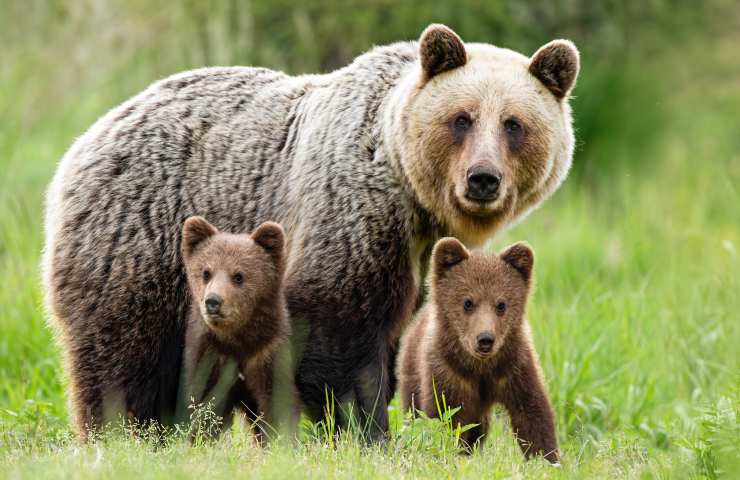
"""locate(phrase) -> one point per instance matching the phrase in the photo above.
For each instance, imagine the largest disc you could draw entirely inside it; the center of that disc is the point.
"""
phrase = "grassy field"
(636, 313)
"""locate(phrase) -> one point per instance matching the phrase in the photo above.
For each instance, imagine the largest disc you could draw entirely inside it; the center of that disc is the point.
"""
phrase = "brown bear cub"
(472, 343)
(236, 323)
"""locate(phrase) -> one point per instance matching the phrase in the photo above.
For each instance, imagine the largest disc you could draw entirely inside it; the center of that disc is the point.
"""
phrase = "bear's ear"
(556, 65)
(440, 49)
(521, 257)
(447, 253)
(194, 231)
(271, 237)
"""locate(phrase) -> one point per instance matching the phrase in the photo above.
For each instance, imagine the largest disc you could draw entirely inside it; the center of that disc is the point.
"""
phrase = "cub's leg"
(208, 380)
(532, 418)
(257, 386)
(271, 400)
(476, 435)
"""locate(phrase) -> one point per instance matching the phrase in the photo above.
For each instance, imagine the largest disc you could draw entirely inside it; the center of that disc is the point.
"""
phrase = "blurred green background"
(637, 309)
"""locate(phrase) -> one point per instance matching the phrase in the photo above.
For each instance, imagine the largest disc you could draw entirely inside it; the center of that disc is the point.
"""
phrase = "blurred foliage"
(90, 43)
(635, 312)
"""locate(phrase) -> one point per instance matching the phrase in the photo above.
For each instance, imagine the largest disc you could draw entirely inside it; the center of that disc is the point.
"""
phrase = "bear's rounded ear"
(521, 257)
(556, 65)
(194, 231)
(270, 236)
(440, 49)
(447, 253)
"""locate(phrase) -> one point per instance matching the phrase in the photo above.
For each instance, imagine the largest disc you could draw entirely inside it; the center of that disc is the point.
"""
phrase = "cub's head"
(230, 275)
(480, 298)
(486, 132)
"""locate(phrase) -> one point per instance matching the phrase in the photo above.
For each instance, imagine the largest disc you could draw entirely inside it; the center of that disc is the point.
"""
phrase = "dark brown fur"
(442, 347)
(556, 66)
(441, 50)
(229, 357)
(359, 166)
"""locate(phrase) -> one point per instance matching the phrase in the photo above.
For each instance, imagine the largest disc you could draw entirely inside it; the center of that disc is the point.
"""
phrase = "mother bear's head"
(484, 133)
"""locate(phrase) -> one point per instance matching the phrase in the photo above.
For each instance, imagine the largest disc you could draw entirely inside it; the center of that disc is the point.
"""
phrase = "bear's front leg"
(532, 418)
(372, 395)
(476, 435)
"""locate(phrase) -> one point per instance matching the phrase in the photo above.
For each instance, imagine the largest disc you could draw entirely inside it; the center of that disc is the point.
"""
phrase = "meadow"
(636, 312)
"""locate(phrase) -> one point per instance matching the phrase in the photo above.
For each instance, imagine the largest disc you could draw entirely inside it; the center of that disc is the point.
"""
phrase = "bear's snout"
(483, 183)
(213, 304)
(485, 342)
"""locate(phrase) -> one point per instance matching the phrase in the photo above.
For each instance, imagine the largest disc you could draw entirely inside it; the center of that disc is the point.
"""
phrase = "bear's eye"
(206, 276)
(500, 308)
(238, 278)
(462, 122)
(512, 127)
(468, 305)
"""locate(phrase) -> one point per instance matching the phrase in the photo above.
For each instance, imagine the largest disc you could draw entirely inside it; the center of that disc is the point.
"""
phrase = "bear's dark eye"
(206, 276)
(468, 305)
(462, 123)
(512, 127)
(500, 308)
(514, 132)
(238, 278)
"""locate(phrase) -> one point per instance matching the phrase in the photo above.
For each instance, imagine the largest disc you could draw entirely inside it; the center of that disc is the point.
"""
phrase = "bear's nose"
(485, 342)
(213, 303)
(483, 183)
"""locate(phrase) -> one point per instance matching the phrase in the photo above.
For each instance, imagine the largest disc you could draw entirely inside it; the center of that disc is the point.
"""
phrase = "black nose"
(213, 303)
(485, 342)
(483, 183)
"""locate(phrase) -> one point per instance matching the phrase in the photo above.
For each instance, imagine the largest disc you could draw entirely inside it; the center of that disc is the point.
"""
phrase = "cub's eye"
(468, 305)
(462, 122)
(500, 308)
(206, 276)
(513, 127)
(238, 278)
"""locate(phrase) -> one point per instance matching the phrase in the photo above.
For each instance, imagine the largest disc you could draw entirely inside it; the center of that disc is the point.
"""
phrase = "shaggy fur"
(360, 167)
(475, 296)
(229, 355)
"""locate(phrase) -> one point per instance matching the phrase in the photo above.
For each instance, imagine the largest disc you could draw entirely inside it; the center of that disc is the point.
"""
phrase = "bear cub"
(472, 343)
(236, 323)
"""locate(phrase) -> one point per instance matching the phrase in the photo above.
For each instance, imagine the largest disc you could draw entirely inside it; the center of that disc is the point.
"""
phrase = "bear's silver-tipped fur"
(361, 168)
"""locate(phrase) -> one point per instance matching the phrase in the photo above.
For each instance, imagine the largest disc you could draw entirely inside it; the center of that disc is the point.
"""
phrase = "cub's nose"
(485, 342)
(213, 303)
(483, 183)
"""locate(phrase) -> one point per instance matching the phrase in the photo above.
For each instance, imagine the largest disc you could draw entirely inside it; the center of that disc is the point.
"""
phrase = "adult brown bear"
(365, 168)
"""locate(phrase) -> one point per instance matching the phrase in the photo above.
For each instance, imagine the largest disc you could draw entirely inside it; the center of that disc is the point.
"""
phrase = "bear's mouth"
(478, 208)
(214, 319)
(482, 355)
(482, 209)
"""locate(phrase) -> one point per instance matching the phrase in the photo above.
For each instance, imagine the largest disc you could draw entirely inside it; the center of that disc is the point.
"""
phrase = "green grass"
(636, 312)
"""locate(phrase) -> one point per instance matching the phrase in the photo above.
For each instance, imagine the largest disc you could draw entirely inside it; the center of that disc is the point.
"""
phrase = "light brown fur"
(490, 86)
(361, 166)
(230, 355)
(476, 298)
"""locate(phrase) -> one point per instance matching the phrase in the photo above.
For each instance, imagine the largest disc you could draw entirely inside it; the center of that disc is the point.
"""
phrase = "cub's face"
(480, 298)
(487, 130)
(228, 274)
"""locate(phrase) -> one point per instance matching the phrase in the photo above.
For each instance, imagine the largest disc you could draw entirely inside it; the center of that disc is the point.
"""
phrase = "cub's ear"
(521, 257)
(271, 237)
(556, 65)
(447, 253)
(440, 49)
(194, 231)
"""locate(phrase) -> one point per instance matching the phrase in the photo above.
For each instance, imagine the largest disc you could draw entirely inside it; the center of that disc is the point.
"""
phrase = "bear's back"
(220, 142)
